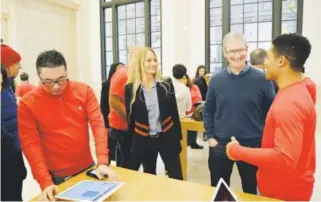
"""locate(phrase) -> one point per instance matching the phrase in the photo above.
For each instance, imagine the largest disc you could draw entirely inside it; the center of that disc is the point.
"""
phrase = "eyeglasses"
(233, 52)
(50, 83)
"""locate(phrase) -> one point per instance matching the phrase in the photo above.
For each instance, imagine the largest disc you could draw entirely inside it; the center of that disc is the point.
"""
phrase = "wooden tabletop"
(145, 187)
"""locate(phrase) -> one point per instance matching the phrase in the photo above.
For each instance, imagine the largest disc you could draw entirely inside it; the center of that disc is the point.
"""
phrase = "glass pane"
(265, 31)
(123, 56)
(140, 9)
(155, 23)
(156, 39)
(158, 53)
(130, 26)
(140, 39)
(108, 29)
(233, 2)
(215, 3)
(131, 11)
(216, 16)
(122, 42)
(215, 68)
(107, 0)
(237, 28)
(250, 1)
(264, 45)
(107, 71)
(155, 7)
(250, 31)
(140, 25)
(109, 44)
(265, 11)
(109, 58)
(236, 14)
(250, 13)
(289, 10)
(216, 53)
(216, 35)
(251, 47)
(131, 41)
(121, 12)
(107, 15)
(288, 26)
(122, 27)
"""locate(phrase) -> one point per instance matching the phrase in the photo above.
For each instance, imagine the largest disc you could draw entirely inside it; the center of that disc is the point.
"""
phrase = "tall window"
(258, 20)
(126, 24)
(216, 23)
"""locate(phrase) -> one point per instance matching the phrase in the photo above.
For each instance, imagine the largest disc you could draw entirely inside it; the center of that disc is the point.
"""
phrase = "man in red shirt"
(286, 161)
(53, 127)
(25, 86)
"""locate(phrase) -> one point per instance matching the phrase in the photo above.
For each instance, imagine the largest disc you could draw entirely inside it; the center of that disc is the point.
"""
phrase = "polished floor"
(197, 172)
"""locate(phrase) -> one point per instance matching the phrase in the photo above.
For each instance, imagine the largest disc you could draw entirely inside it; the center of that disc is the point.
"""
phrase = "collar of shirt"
(243, 71)
(153, 86)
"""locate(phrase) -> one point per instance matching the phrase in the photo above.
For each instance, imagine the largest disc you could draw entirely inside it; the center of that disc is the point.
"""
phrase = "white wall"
(38, 25)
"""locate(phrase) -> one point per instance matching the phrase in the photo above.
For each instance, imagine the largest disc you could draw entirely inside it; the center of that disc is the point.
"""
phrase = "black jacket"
(202, 85)
(138, 115)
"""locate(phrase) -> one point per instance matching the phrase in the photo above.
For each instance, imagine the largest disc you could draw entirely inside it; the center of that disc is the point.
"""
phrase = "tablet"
(223, 192)
(90, 190)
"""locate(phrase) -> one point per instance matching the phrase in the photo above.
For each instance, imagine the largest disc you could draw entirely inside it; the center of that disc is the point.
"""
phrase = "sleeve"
(288, 137)
(97, 125)
(198, 95)
(117, 84)
(188, 98)
(174, 109)
(18, 91)
(104, 103)
(268, 98)
(31, 146)
(209, 111)
(128, 98)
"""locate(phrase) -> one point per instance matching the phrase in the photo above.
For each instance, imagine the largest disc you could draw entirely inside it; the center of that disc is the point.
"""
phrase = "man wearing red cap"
(13, 170)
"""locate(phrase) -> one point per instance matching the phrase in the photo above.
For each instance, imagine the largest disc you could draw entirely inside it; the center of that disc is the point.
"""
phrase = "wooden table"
(188, 124)
(145, 187)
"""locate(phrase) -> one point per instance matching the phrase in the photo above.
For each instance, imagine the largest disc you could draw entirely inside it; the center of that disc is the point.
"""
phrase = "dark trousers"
(119, 145)
(221, 167)
(145, 150)
(191, 137)
(13, 172)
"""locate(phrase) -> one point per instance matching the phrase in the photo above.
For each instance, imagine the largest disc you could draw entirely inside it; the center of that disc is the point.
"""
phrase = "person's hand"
(212, 142)
(48, 194)
(103, 170)
(228, 147)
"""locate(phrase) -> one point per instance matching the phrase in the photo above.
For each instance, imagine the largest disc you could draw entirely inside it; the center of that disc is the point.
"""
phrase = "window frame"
(226, 23)
(113, 4)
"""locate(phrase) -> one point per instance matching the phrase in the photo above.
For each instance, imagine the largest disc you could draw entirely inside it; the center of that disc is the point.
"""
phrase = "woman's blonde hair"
(136, 67)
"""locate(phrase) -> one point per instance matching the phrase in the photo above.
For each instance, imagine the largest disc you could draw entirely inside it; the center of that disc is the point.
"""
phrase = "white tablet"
(90, 190)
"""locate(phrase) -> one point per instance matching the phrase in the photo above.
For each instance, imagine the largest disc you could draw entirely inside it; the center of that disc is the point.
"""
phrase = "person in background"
(24, 87)
(237, 102)
(13, 170)
(288, 154)
(182, 92)
(257, 58)
(152, 116)
(196, 98)
(105, 109)
(200, 81)
(54, 121)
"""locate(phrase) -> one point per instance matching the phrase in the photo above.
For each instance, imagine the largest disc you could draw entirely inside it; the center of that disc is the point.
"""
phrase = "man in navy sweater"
(237, 102)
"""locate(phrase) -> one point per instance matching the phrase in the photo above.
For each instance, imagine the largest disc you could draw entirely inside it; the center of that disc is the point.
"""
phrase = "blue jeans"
(59, 180)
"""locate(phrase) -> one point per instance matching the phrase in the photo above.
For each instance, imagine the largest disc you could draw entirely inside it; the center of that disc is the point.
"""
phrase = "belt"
(155, 136)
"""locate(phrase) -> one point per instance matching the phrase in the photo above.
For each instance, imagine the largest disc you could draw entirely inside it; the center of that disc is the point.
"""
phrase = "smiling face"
(150, 63)
(236, 53)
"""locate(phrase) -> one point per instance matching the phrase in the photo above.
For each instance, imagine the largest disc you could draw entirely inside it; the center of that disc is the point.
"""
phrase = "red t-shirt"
(286, 161)
(23, 89)
(117, 87)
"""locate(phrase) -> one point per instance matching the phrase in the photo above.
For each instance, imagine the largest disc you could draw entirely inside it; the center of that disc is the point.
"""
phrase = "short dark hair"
(258, 56)
(294, 47)
(24, 76)
(50, 59)
(179, 71)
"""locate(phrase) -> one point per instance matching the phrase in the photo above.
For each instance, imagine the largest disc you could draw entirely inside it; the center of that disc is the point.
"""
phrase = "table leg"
(183, 154)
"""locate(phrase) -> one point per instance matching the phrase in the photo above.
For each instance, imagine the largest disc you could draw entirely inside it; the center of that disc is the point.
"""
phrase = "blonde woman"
(153, 116)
